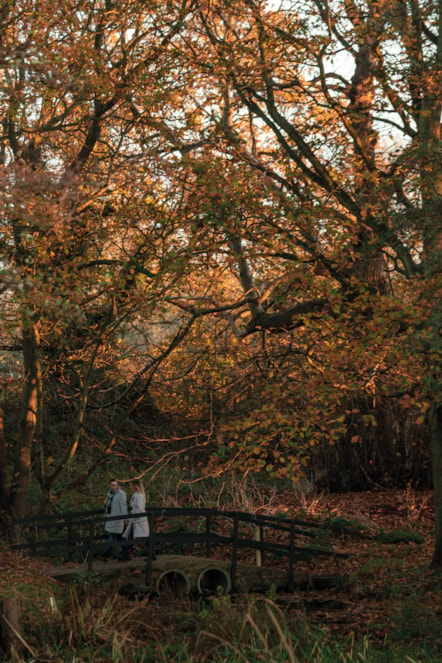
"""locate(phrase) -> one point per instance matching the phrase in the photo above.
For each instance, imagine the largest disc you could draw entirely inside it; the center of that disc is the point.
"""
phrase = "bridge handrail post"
(150, 550)
(234, 548)
(69, 538)
(259, 537)
(208, 542)
(291, 557)
(90, 557)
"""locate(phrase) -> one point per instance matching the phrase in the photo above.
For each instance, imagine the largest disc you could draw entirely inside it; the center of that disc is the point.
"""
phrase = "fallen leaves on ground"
(387, 580)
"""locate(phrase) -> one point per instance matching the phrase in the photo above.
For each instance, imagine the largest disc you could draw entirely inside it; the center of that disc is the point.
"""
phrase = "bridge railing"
(66, 535)
(82, 533)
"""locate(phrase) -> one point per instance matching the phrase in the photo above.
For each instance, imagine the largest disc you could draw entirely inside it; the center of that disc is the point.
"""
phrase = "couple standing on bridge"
(128, 530)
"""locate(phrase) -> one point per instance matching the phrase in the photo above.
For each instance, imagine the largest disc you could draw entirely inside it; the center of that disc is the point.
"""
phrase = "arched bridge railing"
(188, 530)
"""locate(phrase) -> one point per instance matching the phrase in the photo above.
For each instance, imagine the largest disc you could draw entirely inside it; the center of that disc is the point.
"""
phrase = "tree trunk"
(4, 469)
(28, 422)
(45, 508)
(435, 426)
(11, 626)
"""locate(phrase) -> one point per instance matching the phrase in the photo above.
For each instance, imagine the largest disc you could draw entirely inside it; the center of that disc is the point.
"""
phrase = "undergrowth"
(89, 621)
(94, 624)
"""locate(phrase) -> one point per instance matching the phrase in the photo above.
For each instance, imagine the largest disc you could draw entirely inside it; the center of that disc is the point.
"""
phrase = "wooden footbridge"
(187, 548)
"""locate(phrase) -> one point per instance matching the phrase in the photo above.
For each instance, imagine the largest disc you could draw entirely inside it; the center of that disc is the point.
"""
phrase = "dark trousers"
(114, 537)
(128, 544)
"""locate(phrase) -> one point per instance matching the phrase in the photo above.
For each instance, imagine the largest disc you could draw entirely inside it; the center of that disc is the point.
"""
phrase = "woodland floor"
(388, 587)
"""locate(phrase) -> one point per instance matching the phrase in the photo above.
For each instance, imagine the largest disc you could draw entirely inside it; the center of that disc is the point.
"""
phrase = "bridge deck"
(252, 578)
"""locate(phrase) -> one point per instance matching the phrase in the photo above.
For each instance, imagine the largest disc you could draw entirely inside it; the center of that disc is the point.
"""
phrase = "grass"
(94, 624)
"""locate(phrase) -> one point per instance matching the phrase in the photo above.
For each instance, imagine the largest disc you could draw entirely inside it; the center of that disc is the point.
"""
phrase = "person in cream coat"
(138, 527)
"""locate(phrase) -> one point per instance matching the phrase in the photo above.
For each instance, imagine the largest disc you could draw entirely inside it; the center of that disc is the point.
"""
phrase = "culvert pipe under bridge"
(175, 582)
(212, 580)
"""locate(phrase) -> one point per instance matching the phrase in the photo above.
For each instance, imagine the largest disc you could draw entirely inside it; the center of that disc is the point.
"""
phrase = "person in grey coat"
(115, 505)
(138, 527)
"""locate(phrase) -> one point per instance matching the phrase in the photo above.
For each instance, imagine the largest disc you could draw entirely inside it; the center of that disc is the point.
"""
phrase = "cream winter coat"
(139, 526)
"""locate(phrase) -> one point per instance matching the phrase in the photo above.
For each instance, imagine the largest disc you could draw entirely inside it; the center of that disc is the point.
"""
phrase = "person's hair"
(136, 483)
(113, 481)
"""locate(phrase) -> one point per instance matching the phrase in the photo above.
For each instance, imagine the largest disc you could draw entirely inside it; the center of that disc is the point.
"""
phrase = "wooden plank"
(248, 577)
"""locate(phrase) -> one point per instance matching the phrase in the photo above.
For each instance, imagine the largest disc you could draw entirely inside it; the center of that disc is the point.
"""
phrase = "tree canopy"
(228, 212)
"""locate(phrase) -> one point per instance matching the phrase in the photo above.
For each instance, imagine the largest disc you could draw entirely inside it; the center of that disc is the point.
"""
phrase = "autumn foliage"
(220, 230)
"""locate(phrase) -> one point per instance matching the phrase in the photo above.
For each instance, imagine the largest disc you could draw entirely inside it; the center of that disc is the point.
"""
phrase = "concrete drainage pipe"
(175, 582)
(212, 578)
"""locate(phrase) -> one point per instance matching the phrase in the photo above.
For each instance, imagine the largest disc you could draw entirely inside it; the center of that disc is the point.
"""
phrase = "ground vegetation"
(386, 609)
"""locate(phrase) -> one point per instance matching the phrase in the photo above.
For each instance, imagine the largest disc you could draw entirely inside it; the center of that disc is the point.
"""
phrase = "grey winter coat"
(115, 505)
